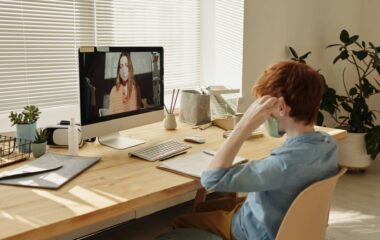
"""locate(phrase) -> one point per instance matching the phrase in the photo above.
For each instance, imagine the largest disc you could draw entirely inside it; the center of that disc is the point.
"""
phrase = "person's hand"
(257, 113)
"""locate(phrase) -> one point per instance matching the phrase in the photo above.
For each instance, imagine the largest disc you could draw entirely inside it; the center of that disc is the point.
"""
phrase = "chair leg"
(199, 197)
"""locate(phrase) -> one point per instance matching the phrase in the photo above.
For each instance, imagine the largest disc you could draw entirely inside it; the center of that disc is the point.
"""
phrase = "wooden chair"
(307, 217)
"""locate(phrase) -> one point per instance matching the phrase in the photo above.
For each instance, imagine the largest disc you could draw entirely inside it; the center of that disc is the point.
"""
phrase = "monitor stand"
(115, 140)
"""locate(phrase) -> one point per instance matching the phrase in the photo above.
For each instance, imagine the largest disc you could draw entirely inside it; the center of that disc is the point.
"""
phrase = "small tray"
(13, 150)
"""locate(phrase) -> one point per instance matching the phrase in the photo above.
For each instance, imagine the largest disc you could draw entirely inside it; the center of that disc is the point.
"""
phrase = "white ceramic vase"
(352, 152)
(170, 122)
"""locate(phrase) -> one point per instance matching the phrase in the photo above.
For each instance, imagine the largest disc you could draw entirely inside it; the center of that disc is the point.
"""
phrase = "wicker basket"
(13, 150)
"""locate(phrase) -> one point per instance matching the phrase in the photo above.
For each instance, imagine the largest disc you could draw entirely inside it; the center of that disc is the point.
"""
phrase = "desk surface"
(115, 186)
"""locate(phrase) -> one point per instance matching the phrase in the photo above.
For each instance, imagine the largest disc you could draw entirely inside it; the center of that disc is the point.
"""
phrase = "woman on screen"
(125, 95)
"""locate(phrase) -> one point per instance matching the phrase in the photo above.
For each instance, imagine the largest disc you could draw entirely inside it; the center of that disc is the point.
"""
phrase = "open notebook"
(192, 164)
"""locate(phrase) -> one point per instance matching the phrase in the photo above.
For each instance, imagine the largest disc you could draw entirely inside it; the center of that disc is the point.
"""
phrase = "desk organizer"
(13, 150)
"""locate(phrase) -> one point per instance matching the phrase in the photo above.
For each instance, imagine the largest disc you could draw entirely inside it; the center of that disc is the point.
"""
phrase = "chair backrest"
(307, 217)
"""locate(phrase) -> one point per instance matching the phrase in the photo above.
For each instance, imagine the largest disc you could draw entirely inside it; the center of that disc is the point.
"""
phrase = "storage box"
(194, 107)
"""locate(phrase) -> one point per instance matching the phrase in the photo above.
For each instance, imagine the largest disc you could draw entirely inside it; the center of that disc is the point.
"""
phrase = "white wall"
(370, 13)
(307, 25)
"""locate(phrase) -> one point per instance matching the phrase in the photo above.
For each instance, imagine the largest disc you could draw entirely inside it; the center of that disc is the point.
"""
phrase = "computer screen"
(120, 88)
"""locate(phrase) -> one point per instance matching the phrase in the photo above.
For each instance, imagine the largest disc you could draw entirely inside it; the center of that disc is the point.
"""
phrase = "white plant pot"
(352, 152)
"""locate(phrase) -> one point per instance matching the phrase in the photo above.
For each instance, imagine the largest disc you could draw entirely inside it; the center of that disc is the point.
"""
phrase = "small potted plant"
(25, 123)
(39, 143)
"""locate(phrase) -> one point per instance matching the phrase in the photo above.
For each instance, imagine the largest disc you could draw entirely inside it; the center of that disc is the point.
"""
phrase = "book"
(193, 164)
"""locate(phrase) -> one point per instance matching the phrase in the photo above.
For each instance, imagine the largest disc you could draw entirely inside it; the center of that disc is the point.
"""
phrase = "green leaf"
(361, 54)
(341, 98)
(320, 119)
(344, 36)
(353, 91)
(367, 87)
(346, 107)
(371, 44)
(376, 62)
(305, 55)
(363, 44)
(352, 39)
(372, 141)
(344, 54)
(336, 59)
(293, 52)
(334, 45)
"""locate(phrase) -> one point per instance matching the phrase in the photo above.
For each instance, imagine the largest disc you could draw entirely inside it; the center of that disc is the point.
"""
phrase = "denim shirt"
(273, 183)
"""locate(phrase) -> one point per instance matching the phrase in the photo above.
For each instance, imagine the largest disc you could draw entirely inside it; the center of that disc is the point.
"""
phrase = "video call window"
(119, 82)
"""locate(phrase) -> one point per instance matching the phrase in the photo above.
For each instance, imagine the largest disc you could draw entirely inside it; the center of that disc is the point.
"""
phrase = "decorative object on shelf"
(25, 124)
(10, 150)
(39, 143)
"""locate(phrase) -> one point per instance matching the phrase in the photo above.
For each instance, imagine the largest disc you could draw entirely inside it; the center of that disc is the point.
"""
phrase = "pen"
(211, 153)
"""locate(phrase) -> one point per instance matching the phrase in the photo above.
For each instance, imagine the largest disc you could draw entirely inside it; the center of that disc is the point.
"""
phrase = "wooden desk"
(116, 186)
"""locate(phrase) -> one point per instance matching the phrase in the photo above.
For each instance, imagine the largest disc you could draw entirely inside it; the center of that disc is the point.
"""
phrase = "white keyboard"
(161, 151)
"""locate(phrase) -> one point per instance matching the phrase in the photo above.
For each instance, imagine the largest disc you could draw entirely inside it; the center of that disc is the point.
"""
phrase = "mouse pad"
(51, 170)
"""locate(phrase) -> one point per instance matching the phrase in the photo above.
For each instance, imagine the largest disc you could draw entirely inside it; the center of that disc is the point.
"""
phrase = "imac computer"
(120, 88)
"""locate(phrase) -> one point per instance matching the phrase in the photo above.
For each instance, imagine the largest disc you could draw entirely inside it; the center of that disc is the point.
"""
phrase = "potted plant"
(367, 139)
(363, 141)
(25, 123)
(39, 143)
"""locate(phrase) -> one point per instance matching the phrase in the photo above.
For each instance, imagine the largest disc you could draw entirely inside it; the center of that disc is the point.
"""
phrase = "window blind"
(39, 41)
(229, 23)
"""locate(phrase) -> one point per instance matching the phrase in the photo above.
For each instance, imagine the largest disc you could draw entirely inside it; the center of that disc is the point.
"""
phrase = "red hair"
(299, 85)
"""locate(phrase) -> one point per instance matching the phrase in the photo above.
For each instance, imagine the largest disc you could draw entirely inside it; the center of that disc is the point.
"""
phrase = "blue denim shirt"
(273, 183)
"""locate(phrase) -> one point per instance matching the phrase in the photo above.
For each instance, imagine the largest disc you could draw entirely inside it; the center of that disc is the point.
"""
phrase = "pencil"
(175, 101)
(166, 109)
(171, 104)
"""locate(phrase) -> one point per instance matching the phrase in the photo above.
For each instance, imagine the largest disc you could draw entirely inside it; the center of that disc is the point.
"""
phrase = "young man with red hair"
(289, 94)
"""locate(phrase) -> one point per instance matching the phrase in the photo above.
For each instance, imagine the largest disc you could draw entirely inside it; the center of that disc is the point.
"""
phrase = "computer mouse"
(195, 139)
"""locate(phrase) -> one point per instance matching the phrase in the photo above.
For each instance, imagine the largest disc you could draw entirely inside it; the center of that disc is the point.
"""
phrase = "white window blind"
(229, 23)
(39, 41)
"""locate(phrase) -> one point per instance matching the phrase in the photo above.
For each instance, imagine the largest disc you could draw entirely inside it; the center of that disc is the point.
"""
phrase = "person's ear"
(283, 108)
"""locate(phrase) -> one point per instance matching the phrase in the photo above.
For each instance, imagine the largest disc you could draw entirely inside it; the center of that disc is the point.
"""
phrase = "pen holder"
(170, 122)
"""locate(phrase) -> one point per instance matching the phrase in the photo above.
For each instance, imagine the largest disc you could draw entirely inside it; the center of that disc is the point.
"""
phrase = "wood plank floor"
(355, 213)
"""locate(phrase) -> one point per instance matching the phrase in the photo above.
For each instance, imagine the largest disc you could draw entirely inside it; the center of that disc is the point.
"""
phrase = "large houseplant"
(355, 114)
(351, 111)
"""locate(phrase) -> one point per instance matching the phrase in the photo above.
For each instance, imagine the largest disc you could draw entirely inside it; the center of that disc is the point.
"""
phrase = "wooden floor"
(355, 213)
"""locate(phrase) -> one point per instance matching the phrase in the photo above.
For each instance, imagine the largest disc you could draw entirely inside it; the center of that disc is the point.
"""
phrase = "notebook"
(51, 170)
(193, 164)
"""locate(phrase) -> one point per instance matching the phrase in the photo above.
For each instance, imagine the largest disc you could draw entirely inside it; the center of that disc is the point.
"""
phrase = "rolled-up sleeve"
(255, 176)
